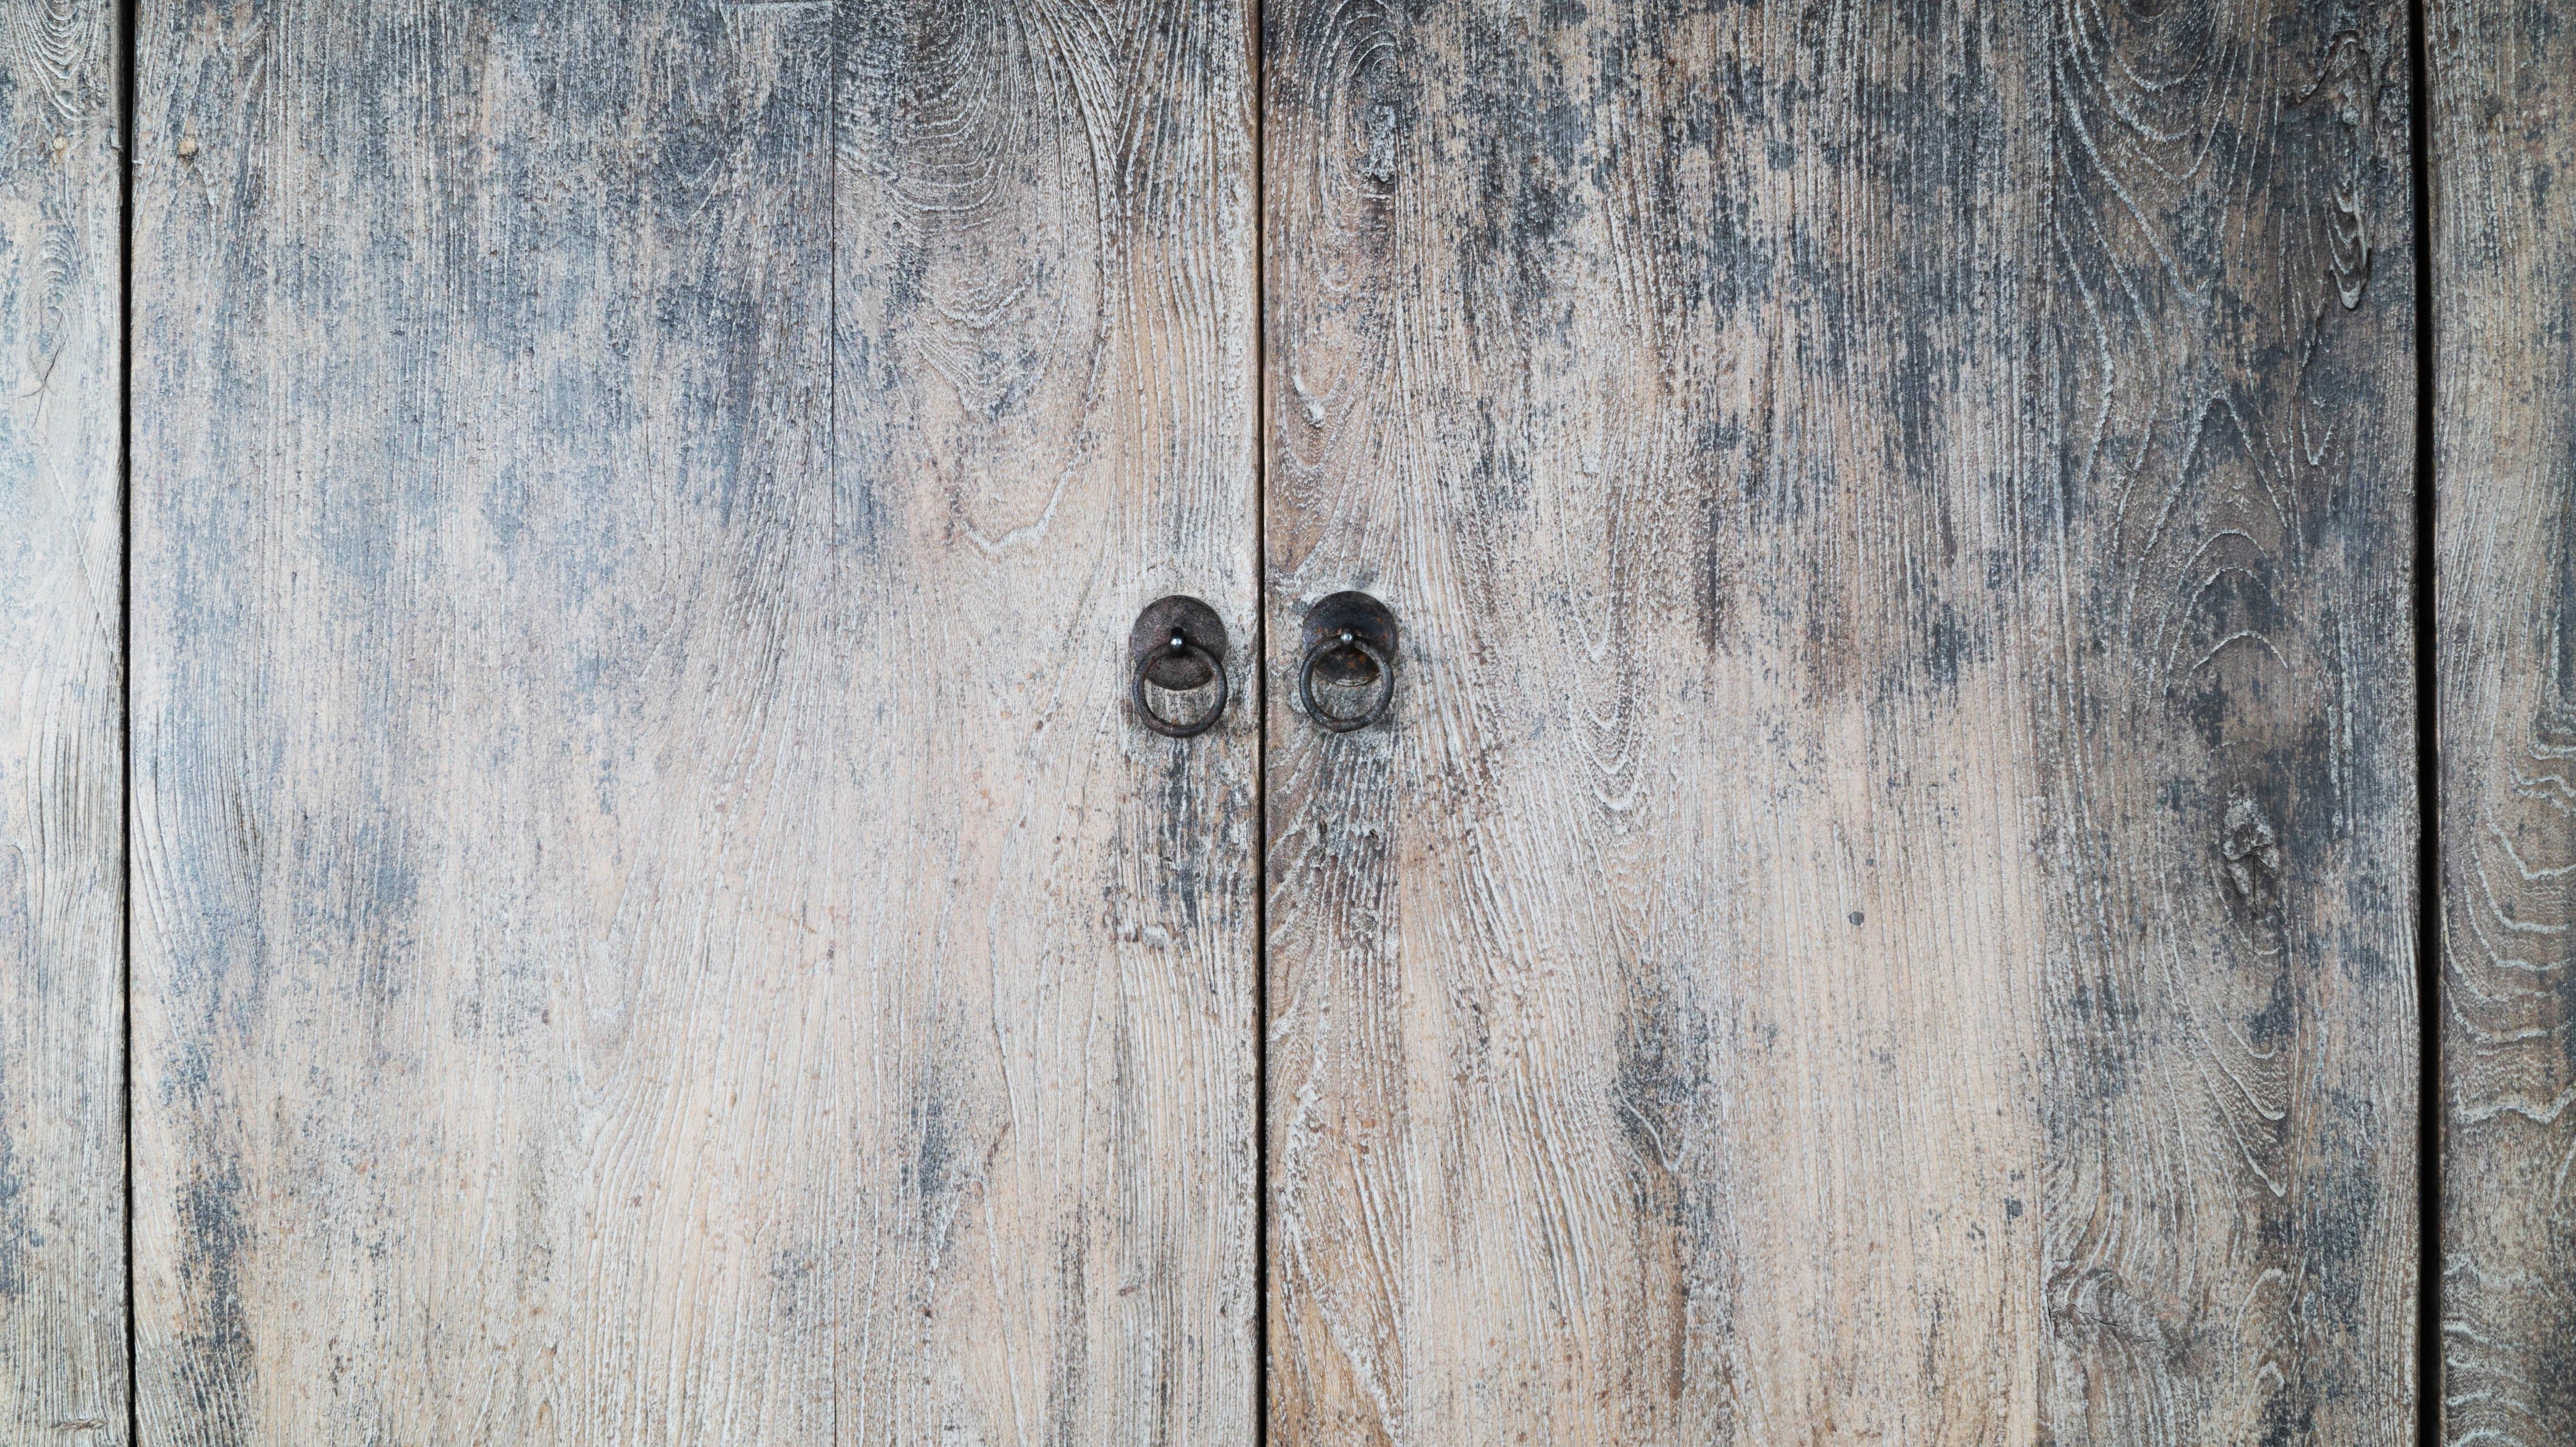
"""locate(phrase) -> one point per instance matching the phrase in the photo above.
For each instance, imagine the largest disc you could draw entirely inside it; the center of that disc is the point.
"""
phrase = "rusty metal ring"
(1337, 723)
(1181, 646)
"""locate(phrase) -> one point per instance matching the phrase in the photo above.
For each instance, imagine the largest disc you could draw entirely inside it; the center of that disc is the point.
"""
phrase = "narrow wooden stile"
(63, 1371)
(2501, 173)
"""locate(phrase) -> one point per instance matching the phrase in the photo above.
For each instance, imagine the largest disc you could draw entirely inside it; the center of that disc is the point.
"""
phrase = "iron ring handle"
(1333, 722)
(1161, 725)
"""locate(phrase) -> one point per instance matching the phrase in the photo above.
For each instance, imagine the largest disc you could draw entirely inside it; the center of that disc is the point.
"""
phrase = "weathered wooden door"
(650, 922)
(1886, 911)
(579, 864)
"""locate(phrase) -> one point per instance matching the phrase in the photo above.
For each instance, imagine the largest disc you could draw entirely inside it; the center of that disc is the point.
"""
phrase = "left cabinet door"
(62, 1015)
(653, 921)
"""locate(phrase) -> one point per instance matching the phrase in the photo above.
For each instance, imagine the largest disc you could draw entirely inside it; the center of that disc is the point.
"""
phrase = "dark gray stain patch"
(1500, 473)
(935, 1159)
(2342, 1210)
(18, 1233)
(214, 1332)
(2555, 723)
(1069, 1384)
(1523, 141)
(361, 885)
(1658, 1082)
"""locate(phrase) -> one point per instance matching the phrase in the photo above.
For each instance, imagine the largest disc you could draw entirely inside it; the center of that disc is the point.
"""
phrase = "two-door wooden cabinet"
(1889, 698)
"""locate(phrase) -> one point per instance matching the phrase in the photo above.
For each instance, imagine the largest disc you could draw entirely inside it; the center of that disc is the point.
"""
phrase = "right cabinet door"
(2501, 172)
(1884, 907)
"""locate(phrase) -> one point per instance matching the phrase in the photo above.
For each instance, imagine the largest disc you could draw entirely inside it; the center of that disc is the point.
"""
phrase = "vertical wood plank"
(2225, 687)
(63, 1372)
(1884, 909)
(2502, 153)
(654, 923)
(1045, 420)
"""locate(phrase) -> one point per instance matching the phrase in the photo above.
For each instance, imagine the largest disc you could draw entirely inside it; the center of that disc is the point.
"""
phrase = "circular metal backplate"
(1365, 619)
(1149, 644)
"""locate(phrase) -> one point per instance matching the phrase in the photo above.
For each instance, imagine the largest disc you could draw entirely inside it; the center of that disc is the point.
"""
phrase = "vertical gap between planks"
(832, 511)
(125, 32)
(2428, 776)
(1258, 62)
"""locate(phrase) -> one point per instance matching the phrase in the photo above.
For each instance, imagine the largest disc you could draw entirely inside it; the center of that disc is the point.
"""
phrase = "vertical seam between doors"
(1262, 1285)
(2429, 1426)
(832, 515)
(126, 33)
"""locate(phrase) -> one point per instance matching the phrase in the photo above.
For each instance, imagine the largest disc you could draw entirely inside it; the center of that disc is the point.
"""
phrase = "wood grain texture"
(62, 839)
(2501, 147)
(654, 924)
(1884, 911)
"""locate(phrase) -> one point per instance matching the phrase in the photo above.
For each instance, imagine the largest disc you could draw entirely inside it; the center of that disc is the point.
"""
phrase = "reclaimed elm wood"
(2501, 162)
(1884, 911)
(62, 839)
(653, 922)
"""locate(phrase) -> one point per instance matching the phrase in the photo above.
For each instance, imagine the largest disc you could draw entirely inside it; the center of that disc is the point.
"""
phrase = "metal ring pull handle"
(1344, 624)
(1178, 644)
(1382, 695)
(1181, 647)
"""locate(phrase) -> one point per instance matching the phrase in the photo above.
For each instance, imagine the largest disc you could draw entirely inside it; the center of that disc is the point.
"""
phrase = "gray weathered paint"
(62, 1133)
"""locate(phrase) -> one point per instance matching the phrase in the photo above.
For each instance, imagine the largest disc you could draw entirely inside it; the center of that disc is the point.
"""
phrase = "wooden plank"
(654, 924)
(2501, 151)
(1884, 910)
(2228, 724)
(63, 1372)
(1046, 391)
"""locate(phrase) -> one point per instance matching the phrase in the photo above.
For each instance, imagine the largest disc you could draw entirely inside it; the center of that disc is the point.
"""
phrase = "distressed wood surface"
(2502, 158)
(653, 922)
(62, 841)
(1885, 908)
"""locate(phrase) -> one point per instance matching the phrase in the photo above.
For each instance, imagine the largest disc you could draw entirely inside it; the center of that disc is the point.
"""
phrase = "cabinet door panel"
(2501, 150)
(1885, 908)
(654, 923)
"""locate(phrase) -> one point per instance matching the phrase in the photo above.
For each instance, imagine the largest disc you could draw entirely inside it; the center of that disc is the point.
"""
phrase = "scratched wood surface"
(653, 922)
(1884, 909)
(62, 1129)
(2502, 156)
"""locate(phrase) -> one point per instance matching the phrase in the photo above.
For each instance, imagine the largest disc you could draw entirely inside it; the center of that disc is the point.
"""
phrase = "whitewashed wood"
(62, 840)
(1884, 911)
(655, 925)
(2502, 157)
